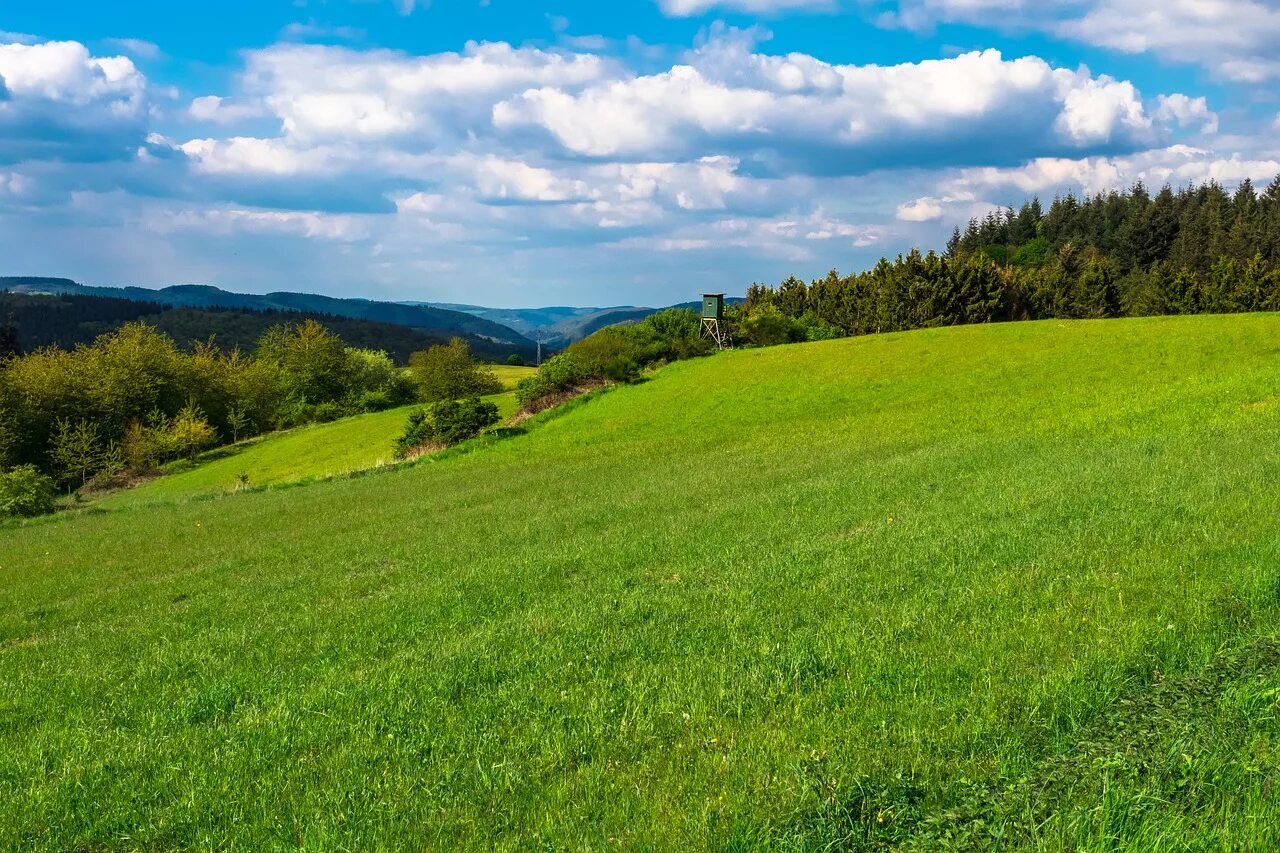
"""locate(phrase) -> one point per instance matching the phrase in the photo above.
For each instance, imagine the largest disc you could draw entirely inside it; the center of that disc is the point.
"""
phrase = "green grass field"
(293, 456)
(995, 587)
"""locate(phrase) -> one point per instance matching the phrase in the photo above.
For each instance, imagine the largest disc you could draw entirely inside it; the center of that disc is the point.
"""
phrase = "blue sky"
(511, 152)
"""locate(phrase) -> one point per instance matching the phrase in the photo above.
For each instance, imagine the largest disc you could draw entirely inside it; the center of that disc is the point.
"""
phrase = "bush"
(457, 420)
(417, 433)
(190, 433)
(25, 492)
(446, 423)
(766, 326)
(817, 329)
(515, 360)
(374, 401)
(559, 373)
(448, 372)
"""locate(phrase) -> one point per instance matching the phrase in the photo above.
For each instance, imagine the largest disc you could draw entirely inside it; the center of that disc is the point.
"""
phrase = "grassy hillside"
(912, 589)
(293, 456)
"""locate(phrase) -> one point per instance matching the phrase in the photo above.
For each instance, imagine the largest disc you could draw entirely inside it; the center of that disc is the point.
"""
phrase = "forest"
(132, 400)
(1200, 249)
(32, 321)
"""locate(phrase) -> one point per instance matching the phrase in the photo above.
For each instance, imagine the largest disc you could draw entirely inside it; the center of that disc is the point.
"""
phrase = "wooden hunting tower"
(713, 326)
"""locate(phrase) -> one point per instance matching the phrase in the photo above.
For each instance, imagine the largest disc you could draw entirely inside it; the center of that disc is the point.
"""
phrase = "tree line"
(30, 321)
(132, 400)
(1196, 250)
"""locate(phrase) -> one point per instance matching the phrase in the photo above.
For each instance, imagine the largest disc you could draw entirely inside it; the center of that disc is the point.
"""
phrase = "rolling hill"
(65, 320)
(990, 587)
(561, 326)
(440, 322)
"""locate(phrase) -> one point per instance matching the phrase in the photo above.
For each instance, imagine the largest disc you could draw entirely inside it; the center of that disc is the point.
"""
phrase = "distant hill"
(559, 326)
(492, 332)
(67, 319)
(437, 321)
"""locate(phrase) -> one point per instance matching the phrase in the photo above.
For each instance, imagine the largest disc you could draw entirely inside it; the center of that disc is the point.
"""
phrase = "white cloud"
(841, 117)
(921, 210)
(229, 220)
(1187, 112)
(557, 165)
(65, 72)
(325, 92)
(1176, 165)
(1235, 38)
(244, 154)
(220, 110)
(58, 101)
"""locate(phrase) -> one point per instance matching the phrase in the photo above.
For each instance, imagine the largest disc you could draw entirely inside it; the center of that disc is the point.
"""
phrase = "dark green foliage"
(25, 492)
(765, 325)
(448, 372)
(559, 374)
(133, 399)
(515, 360)
(1195, 251)
(69, 319)
(446, 423)
(9, 343)
(396, 327)
(453, 421)
(615, 354)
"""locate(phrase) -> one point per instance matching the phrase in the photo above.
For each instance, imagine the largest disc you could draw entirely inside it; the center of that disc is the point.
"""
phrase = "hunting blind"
(713, 326)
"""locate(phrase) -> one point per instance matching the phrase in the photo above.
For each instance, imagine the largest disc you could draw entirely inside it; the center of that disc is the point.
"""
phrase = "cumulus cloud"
(1234, 38)
(60, 102)
(320, 92)
(799, 112)
(1176, 165)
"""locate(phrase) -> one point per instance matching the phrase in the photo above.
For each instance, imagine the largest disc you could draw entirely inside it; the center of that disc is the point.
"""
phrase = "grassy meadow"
(994, 587)
(298, 455)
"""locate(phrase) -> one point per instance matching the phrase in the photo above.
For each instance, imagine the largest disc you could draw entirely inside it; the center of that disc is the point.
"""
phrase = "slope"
(299, 455)
(827, 594)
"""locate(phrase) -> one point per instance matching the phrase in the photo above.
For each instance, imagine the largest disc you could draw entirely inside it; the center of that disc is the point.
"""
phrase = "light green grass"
(509, 374)
(905, 590)
(306, 453)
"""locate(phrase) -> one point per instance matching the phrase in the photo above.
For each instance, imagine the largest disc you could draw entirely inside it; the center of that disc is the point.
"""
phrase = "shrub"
(374, 401)
(766, 326)
(77, 451)
(330, 410)
(417, 433)
(515, 360)
(559, 373)
(817, 329)
(447, 423)
(614, 353)
(190, 433)
(457, 420)
(448, 372)
(25, 492)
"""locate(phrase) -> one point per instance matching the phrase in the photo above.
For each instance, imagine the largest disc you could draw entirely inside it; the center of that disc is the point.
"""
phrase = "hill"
(561, 326)
(299, 455)
(440, 323)
(1005, 586)
(67, 320)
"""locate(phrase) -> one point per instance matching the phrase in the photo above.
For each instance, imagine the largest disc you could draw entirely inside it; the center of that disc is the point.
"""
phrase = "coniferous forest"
(1200, 249)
